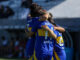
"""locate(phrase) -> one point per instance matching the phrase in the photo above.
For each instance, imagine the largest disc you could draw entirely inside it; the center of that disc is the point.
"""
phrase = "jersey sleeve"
(35, 19)
(28, 18)
(34, 27)
(43, 23)
(35, 24)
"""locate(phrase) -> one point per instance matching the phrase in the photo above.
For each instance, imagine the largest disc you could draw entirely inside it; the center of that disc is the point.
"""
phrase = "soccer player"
(30, 21)
(44, 34)
(56, 27)
(59, 52)
(30, 42)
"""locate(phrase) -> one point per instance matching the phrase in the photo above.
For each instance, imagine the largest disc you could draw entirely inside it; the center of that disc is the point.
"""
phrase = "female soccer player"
(59, 52)
(34, 13)
(44, 34)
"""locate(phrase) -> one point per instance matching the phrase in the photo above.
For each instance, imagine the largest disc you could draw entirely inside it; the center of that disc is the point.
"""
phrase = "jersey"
(31, 40)
(44, 43)
(59, 52)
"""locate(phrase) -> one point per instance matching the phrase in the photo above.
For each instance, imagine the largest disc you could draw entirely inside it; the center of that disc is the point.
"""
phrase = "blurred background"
(13, 14)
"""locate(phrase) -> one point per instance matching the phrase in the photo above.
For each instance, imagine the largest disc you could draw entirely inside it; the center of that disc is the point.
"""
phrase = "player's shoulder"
(48, 23)
(29, 19)
(35, 18)
(44, 22)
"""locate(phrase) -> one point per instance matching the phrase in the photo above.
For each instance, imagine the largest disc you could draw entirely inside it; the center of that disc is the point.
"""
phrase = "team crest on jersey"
(60, 41)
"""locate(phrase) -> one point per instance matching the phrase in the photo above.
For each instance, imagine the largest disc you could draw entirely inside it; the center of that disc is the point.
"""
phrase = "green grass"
(11, 59)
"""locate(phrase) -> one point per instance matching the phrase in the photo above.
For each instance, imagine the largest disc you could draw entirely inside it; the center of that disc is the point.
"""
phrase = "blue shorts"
(30, 48)
(59, 55)
(43, 57)
(47, 55)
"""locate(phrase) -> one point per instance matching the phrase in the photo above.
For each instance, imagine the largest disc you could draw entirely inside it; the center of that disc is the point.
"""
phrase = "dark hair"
(35, 10)
(50, 19)
(42, 12)
(33, 6)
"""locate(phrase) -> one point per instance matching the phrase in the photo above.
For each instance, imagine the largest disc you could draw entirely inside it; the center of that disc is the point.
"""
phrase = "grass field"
(11, 59)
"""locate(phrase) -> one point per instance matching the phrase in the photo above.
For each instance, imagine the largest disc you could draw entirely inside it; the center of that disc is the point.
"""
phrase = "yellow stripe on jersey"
(34, 55)
(59, 39)
(42, 32)
(29, 28)
(56, 56)
(30, 58)
(52, 58)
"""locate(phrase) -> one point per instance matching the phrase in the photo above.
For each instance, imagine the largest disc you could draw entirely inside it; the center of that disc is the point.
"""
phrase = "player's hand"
(45, 27)
(60, 29)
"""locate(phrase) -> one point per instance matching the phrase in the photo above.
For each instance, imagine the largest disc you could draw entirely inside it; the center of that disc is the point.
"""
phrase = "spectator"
(16, 46)
(1, 11)
(17, 41)
(21, 51)
(4, 42)
(8, 12)
(4, 48)
(11, 48)
(5, 11)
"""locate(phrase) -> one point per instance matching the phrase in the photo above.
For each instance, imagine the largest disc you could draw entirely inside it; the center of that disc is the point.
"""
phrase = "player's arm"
(28, 33)
(61, 29)
(32, 31)
(52, 34)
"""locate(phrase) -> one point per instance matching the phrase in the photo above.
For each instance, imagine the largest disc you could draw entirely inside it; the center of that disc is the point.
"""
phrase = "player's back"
(30, 21)
(31, 40)
(44, 43)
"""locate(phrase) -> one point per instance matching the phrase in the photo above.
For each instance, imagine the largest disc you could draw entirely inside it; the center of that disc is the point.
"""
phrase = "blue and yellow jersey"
(59, 52)
(44, 43)
(31, 40)
(59, 42)
(30, 22)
